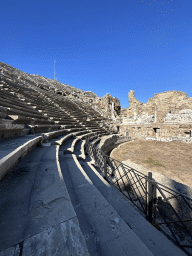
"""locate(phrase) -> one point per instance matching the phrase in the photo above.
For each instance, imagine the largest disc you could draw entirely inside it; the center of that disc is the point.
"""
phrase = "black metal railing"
(167, 209)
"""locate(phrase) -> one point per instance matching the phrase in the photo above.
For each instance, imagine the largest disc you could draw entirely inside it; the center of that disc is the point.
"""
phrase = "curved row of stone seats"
(78, 112)
(28, 76)
(95, 214)
(11, 101)
(92, 136)
(14, 123)
(114, 230)
(90, 110)
(95, 202)
(77, 138)
(96, 141)
(69, 103)
(11, 98)
(50, 108)
(143, 238)
(43, 214)
(59, 116)
(19, 147)
(47, 108)
(74, 110)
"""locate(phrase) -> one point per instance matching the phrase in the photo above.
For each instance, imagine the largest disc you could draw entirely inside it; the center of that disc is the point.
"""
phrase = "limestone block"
(185, 111)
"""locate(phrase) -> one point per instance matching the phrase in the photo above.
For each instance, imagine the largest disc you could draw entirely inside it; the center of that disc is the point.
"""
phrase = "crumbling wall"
(167, 116)
(110, 105)
(161, 104)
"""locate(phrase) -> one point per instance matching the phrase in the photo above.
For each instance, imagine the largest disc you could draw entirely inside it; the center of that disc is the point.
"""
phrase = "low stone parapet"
(8, 161)
(109, 142)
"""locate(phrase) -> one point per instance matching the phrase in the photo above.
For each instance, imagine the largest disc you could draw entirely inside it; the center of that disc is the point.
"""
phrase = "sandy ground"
(173, 159)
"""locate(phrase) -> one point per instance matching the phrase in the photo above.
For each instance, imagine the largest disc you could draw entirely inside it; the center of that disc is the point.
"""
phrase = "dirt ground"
(171, 159)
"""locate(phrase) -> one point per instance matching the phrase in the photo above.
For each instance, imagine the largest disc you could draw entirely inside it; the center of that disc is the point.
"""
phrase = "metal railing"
(167, 209)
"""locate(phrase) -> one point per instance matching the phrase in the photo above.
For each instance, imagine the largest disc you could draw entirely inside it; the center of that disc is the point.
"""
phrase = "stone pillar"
(112, 110)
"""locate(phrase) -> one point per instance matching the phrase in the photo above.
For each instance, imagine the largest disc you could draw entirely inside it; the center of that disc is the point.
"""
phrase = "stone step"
(18, 107)
(13, 100)
(72, 126)
(44, 218)
(16, 119)
(8, 130)
(40, 128)
(71, 148)
(105, 232)
(149, 235)
(3, 112)
(12, 111)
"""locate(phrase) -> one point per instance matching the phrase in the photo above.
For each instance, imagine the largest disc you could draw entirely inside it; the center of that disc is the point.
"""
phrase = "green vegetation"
(152, 162)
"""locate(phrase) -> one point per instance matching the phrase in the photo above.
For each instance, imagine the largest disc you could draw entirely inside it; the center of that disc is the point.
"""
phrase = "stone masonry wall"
(167, 116)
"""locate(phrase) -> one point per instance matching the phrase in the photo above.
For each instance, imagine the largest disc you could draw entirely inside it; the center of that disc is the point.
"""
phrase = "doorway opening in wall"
(156, 130)
(188, 133)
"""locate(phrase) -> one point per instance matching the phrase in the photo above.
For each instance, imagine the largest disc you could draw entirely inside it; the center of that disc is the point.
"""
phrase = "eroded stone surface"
(165, 117)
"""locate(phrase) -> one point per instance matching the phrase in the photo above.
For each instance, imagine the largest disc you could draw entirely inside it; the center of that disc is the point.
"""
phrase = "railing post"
(150, 198)
(154, 200)
(105, 167)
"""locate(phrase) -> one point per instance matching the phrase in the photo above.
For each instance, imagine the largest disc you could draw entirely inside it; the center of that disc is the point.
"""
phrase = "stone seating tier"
(54, 112)
(88, 124)
(61, 118)
(50, 106)
(10, 130)
(8, 104)
(42, 121)
(71, 126)
(66, 122)
(3, 112)
(16, 101)
(20, 119)
(12, 111)
(77, 114)
(44, 128)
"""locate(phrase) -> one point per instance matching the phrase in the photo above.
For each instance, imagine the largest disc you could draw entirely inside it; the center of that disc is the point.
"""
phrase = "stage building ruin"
(165, 117)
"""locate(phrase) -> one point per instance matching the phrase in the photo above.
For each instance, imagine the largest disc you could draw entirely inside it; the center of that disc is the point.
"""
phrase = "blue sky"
(106, 46)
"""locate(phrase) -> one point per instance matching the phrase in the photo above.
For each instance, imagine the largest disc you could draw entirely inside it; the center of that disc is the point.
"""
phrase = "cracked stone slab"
(64, 239)
(33, 198)
(13, 251)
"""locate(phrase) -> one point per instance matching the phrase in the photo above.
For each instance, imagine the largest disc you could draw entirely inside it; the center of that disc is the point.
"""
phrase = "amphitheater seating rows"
(29, 108)
(85, 207)
(69, 107)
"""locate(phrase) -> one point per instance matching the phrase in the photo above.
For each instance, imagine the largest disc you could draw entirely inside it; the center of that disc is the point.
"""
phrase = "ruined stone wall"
(166, 116)
(165, 102)
(111, 105)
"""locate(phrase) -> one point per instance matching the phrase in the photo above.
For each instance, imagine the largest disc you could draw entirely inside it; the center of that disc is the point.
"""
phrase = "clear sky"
(104, 46)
